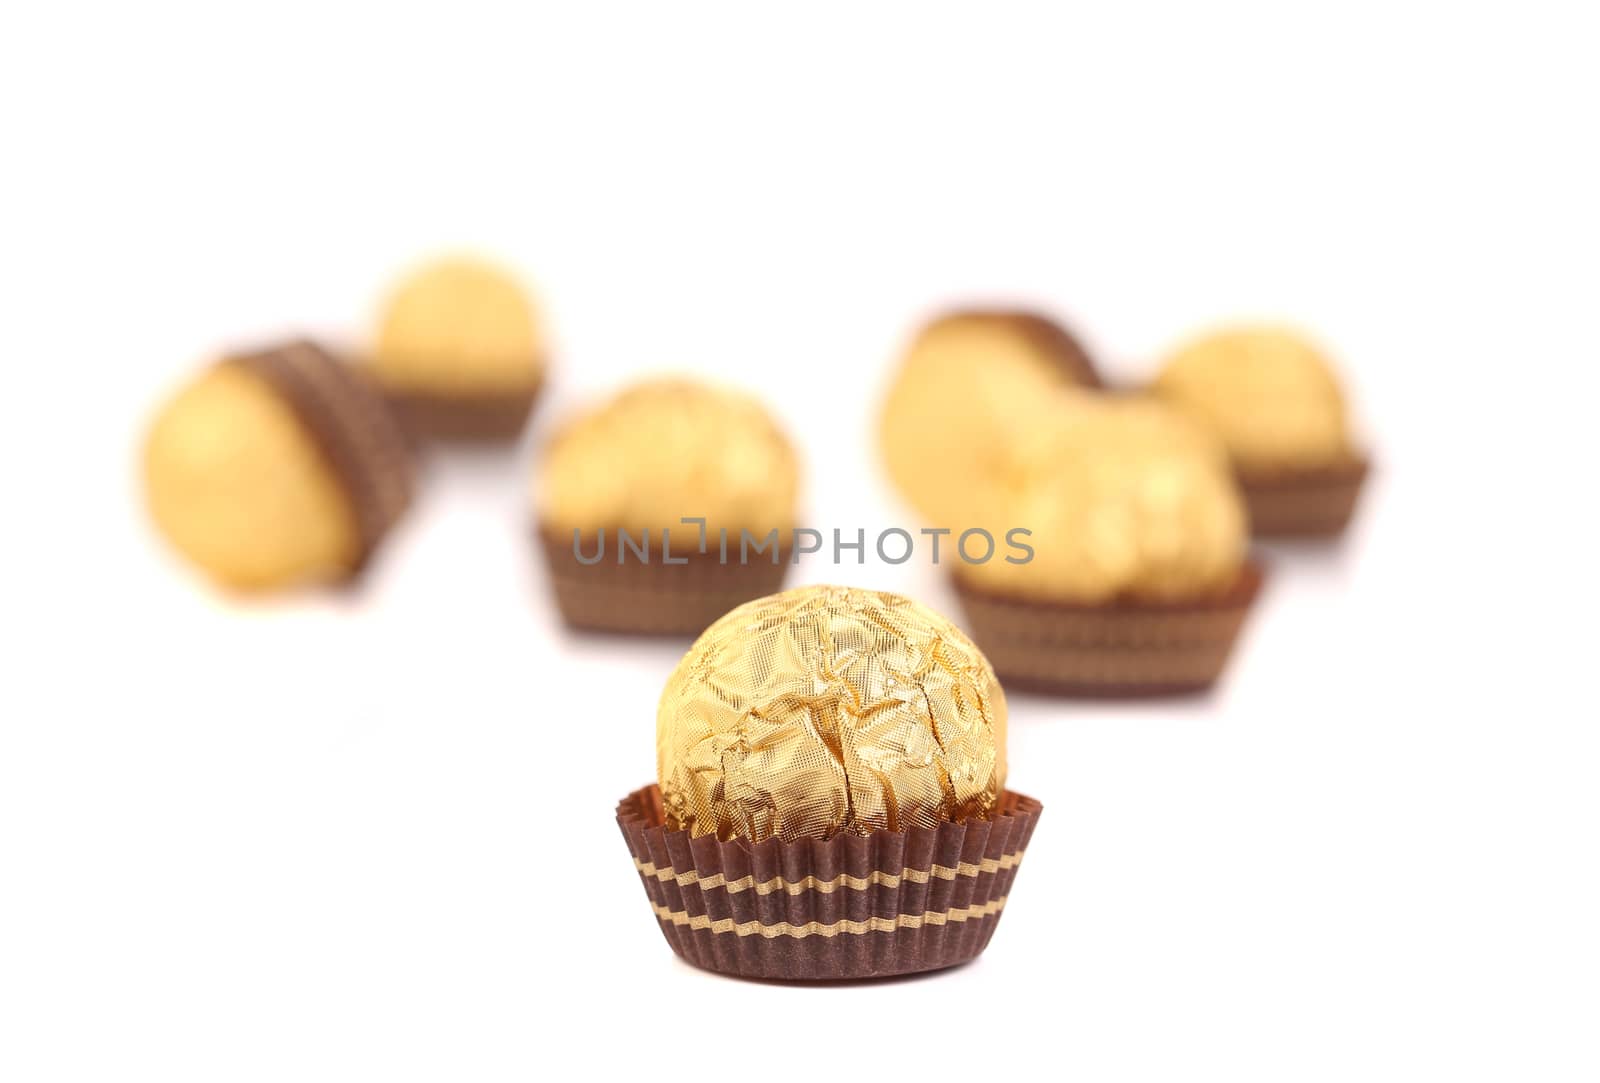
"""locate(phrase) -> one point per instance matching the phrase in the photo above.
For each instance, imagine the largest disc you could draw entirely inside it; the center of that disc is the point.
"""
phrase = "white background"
(292, 839)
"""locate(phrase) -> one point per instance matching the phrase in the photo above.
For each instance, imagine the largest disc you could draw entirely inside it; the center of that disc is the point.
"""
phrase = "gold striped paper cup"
(848, 907)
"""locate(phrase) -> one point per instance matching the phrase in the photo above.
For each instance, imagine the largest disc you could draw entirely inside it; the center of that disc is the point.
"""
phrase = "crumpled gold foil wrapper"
(1270, 394)
(967, 385)
(823, 710)
(1124, 498)
(665, 449)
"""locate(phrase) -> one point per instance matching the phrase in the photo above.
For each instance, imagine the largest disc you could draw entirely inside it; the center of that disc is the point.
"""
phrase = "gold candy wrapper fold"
(829, 710)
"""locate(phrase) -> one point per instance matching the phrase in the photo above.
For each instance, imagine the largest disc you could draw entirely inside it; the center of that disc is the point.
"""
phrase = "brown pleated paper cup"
(652, 597)
(852, 906)
(347, 419)
(1123, 648)
(464, 417)
(1304, 503)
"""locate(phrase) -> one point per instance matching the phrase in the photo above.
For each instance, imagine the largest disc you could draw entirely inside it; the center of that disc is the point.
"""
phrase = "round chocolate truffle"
(665, 449)
(275, 469)
(1269, 394)
(966, 385)
(459, 326)
(824, 710)
(1124, 498)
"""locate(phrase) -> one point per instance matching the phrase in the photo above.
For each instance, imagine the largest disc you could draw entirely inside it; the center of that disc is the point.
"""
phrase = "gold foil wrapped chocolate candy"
(824, 710)
(1138, 582)
(629, 472)
(276, 469)
(965, 387)
(830, 802)
(668, 448)
(1269, 394)
(1275, 401)
(460, 350)
(1123, 498)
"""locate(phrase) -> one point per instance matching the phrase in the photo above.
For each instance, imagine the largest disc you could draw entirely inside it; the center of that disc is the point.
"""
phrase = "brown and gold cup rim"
(846, 907)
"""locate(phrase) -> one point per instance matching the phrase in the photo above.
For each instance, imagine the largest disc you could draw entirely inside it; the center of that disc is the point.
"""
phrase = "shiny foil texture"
(1124, 498)
(668, 448)
(824, 710)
